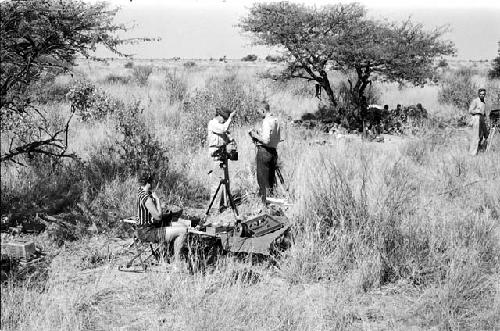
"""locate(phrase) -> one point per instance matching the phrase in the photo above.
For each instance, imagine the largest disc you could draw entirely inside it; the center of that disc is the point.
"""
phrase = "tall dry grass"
(399, 235)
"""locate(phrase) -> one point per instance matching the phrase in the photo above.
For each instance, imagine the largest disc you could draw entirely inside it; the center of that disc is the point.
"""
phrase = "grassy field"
(400, 235)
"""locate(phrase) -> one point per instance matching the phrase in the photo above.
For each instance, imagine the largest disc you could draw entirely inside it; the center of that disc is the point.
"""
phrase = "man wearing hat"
(217, 139)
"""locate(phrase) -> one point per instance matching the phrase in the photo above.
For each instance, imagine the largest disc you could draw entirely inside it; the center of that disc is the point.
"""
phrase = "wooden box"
(20, 249)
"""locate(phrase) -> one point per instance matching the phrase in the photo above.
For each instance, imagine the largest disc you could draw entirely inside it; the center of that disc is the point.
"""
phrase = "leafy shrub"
(90, 103)
(132, 146)
(141, 74)
(225, 91)
(129, 65)
(458, 89)
(117, 79)
(249, 58)
(347, 112)
(189, 64)
(51, 86)
(495, 66)
(442, 63)
(275, 58)
(175, 86)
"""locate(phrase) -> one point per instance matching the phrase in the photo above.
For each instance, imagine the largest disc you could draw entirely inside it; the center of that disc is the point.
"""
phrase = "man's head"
(222, 112)
(263, 108)
(481, 93)
(146, 179)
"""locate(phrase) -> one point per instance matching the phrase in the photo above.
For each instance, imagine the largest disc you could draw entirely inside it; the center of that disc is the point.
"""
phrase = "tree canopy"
(495, 66)
(341, 37)
(37, 36)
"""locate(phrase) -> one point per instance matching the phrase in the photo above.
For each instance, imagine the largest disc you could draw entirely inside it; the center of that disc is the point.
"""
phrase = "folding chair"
(141, 248)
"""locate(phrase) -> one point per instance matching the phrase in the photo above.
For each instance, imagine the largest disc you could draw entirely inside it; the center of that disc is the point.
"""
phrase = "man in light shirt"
(267, 156)
(478, 110)
(217, 139)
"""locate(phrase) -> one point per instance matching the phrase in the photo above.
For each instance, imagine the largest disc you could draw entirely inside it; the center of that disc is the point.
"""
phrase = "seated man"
(155, 226)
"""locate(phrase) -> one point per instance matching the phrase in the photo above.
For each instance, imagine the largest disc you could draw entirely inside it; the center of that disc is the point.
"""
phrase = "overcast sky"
(206, 28)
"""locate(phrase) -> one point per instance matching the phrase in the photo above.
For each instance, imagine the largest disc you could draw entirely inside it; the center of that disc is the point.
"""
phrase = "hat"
(222, 111)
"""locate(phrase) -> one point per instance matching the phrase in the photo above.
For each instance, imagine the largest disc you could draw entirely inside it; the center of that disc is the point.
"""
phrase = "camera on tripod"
(227, 152)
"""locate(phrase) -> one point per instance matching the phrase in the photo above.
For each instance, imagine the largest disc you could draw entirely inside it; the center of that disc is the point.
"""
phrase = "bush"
(176, 86)
(249, 58)
(141, 74)
(495, 66)
(90, 103)
(442, 63)
(131, 147)
(117, 79)
(347, 113)
(225, 91)
(129, 65)
(458, 89)
(275, 58)
(189, 64)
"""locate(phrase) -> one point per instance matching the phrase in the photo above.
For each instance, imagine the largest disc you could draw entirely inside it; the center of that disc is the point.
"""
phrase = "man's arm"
(221, 128)
(267, 126)
(473, 107)
(150, 205)
(255, 136)
(157, 202)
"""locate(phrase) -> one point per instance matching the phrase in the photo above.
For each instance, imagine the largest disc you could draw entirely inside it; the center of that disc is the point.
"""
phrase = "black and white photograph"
(250, 165)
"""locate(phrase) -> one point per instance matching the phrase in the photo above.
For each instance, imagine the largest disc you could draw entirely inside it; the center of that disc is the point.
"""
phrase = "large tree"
(341, 37)
(37, 36)
(495, 66)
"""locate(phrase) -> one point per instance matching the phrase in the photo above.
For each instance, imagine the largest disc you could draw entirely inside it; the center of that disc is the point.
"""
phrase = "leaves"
(37, 36)
(341, 37)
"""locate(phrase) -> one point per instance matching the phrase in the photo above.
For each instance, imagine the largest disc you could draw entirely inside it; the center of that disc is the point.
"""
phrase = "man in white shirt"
(217, 139)
(478, 110)
(267, 156)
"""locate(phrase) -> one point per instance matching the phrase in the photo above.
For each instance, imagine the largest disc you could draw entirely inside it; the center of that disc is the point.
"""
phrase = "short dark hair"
(265, 105)
(222, 111)
(146, 177)
(482, 89)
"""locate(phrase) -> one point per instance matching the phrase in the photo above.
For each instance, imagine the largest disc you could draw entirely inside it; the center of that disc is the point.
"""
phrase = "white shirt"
(217, 134)
(271, 131)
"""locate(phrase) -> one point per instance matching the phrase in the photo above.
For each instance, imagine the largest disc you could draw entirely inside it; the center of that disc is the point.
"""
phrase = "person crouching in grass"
(154, 224)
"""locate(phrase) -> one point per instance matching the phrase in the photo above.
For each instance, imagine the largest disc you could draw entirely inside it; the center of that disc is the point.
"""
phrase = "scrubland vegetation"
(403, 234)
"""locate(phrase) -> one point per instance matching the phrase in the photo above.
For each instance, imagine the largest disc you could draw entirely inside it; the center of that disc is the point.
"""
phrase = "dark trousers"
(267, 159)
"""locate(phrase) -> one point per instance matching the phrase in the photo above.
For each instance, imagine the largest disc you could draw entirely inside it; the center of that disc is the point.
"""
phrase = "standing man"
(479, 130)
(217, 139)
(267, 156)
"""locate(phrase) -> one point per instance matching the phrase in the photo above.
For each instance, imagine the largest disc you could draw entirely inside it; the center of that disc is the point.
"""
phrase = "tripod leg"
(228, 190)
(490, 138)
(280, 176)
(231, 201)
(213, 199)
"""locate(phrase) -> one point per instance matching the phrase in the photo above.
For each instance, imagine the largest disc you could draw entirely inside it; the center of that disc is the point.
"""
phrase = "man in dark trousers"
(267, 141)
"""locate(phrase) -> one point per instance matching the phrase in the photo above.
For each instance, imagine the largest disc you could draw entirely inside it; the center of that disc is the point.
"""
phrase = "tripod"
(490, 138)
(223, 181)
(495, 121)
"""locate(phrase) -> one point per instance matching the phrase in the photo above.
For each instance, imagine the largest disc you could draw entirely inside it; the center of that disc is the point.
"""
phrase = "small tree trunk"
(325, 83)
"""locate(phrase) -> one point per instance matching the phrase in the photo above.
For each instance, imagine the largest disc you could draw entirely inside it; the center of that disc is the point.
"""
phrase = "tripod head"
(227, 152)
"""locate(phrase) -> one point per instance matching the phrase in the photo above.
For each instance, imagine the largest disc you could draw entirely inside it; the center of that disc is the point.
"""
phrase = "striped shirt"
(143, 214)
